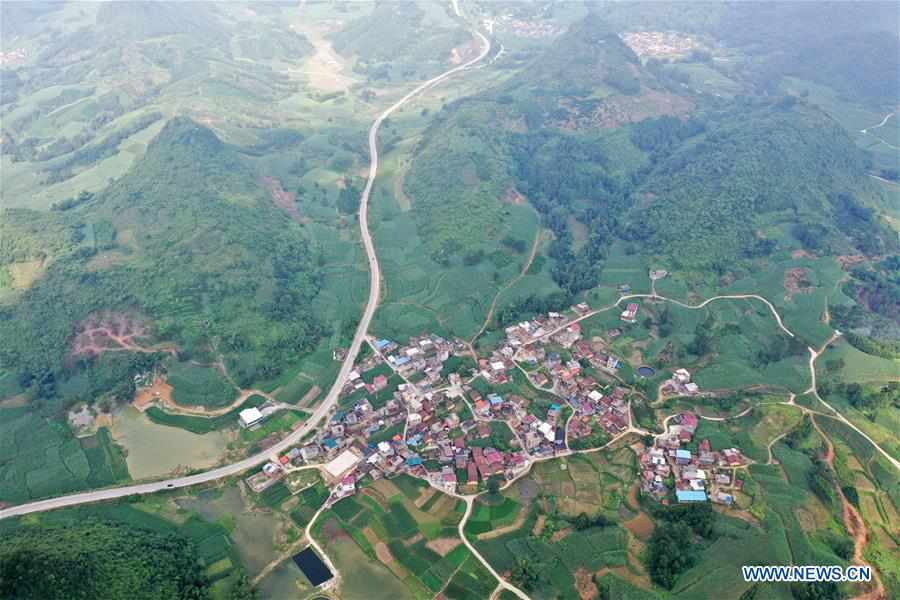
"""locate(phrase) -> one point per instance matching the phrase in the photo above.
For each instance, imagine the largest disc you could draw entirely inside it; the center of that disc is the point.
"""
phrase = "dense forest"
(95, 560)
(186, 242)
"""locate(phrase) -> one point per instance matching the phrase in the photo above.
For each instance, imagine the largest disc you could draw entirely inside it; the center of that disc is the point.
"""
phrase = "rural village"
(421, 409)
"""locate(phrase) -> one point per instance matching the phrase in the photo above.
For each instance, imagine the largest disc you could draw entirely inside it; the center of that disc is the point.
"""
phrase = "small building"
(682, 457)
(341, 466)
(250, 417)
(690, 496)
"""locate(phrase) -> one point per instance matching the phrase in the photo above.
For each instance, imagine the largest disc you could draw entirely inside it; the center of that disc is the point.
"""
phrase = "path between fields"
(330, 400)
(490, 314)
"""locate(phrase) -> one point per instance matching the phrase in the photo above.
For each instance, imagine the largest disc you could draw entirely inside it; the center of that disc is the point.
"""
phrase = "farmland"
(405, 534)
(41, 458)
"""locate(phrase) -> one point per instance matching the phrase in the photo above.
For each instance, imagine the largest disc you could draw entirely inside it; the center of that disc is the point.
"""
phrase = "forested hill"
(593, 137)
(189, 242)
(710, 201)
(95, 560)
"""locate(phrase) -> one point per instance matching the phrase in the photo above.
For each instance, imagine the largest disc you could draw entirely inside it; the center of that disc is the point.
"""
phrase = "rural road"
(322, 411)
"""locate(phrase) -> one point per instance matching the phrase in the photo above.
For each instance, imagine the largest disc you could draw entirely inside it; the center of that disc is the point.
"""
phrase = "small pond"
(646, 371)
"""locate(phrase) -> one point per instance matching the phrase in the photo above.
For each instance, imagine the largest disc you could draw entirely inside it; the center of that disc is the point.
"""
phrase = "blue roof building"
(412, 461)
(690, 496)
(495, 399)
(330, 443)
(382, 344)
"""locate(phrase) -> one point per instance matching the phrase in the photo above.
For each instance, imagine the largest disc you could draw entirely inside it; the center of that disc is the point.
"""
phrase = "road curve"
(321, 412)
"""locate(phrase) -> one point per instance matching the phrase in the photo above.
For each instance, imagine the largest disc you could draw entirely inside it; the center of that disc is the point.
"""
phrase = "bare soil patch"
(109, 331)
(798, 254)
(584, 584)
(539, 526)
(286, 201)
(14, 401)
(847, 261)
(514, 526)
(796, 281)
(333, 532)
(25, 273)
(425, 496)
(641, 526)
(443, 546)
(514, 196)
(310, 396)
(160, 391)
(560, 535)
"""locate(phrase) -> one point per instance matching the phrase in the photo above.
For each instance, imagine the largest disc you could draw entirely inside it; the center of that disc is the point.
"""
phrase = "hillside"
(187, 242)
(99, 561)
(400, 40)
(621, 152)
(712, 201)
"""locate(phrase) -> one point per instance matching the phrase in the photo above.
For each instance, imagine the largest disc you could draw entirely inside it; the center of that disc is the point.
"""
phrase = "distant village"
(423, 409)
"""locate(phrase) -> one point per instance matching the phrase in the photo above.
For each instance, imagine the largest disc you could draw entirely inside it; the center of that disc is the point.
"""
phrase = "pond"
(316, 571)
(154, 449)
(646, 371)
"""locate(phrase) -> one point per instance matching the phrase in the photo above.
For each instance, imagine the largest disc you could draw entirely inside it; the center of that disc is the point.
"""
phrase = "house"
(448, 482)
(723, 498)
(472, 473)
(629, 315)
(380, 382)
(690, 496)
(250, 417)
(309, 452)
(682, 457)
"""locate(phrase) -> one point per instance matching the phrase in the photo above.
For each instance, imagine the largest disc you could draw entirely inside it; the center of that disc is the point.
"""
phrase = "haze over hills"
(538, 300)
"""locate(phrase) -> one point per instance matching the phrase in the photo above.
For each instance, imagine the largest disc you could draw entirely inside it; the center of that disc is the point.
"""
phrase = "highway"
(323, 410)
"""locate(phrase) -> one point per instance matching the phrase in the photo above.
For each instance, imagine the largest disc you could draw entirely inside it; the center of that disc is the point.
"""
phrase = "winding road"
(321, 411)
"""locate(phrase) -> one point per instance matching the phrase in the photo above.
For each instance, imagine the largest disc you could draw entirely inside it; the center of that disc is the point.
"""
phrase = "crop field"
(859, 367)
(751, 432)
(403, 530)
(746, 347)
(452, 299)
(196, 385)
(40, 458)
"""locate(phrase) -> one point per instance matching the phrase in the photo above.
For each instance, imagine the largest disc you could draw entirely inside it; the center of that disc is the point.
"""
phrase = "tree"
(493, 485)
(669, 553)
(525, 574)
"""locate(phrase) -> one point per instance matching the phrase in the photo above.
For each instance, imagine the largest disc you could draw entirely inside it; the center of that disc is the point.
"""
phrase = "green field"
(196, 385)
(41, 458)
(385, 513)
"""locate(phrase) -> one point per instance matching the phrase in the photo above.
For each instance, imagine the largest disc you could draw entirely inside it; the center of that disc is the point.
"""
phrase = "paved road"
(322, 411)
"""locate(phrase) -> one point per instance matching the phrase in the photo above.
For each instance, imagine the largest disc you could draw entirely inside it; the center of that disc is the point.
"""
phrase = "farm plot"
(418, 546)
(195, 385)
(39, 458)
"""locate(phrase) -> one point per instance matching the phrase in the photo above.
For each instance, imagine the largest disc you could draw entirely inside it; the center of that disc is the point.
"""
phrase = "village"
(426, 409)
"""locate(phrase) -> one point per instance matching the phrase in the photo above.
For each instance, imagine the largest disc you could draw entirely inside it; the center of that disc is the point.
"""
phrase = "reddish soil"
(856, 527)
(514, 196)
(159, 391)
(443, 546)
(848, 260)
(584, 583)
(114, 332)
(287, 201)
(641, 526)
(332, 531)
(801, 254)
(796, 281)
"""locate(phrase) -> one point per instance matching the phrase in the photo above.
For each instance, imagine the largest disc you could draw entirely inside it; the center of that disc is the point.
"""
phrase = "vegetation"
(97, 560)
(195, 247)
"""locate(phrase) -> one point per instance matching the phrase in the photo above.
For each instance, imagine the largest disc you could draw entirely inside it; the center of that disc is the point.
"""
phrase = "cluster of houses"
(695, 476)
(680, 384)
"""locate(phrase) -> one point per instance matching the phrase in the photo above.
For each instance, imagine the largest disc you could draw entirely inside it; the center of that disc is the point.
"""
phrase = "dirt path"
(854, 524)
(490, 314)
